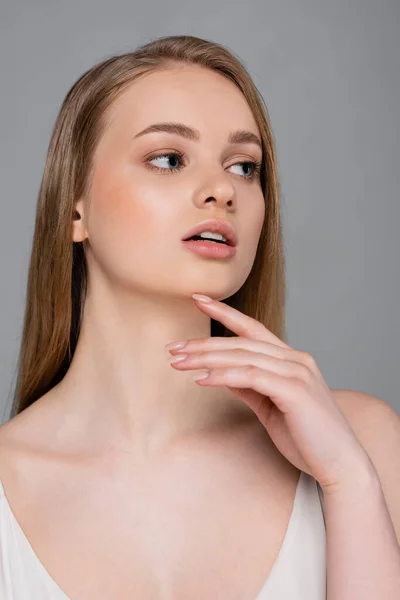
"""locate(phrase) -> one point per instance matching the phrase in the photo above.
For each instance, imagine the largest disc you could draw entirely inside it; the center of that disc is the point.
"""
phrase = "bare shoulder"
(377, 425)
(13, 444)
(370, 417)
(23, 438)
(19, 428)
(34, 423)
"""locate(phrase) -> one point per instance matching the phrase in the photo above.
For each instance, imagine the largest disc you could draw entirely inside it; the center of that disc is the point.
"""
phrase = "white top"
(298, 573)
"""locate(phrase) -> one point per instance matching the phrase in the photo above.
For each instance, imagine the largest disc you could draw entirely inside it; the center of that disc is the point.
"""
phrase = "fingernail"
(198, 376)
(175, 359)
(175, 345)
(201, 298)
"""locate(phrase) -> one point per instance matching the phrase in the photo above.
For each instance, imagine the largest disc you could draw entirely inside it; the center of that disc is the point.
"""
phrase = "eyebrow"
(240, 136)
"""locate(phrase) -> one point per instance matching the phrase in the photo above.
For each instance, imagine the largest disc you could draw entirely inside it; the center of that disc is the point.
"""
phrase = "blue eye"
(179, 159)
(255, 168)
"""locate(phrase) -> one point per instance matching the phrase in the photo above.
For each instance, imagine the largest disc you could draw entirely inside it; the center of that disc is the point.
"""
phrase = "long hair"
(57, 276)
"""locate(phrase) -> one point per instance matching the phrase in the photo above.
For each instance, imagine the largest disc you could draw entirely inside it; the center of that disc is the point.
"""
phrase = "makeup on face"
(209, 248)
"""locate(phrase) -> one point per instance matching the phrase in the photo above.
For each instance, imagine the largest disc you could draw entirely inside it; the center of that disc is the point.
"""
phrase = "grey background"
(329, 73)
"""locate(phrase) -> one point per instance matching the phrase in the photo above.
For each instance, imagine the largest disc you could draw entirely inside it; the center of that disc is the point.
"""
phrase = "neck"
(120, 391)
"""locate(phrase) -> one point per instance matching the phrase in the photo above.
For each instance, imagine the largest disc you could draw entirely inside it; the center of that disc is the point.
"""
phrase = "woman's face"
(143, 200)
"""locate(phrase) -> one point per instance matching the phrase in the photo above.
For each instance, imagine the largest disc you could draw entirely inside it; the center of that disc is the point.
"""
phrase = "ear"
(79, 232)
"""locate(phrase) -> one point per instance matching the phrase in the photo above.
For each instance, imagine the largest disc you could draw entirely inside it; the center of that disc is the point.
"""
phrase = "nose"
(219, 191)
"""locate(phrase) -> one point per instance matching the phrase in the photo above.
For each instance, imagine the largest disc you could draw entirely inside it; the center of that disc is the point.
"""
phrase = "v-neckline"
(289, 535)
(291, 529)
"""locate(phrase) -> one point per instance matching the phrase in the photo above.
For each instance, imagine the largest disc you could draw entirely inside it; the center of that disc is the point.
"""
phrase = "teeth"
(212, 235)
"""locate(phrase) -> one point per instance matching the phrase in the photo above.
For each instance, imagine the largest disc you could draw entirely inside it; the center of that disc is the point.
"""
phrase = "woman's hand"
(286, 391)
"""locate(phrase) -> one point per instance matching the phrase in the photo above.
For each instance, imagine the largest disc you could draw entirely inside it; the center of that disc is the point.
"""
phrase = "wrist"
(360, 480)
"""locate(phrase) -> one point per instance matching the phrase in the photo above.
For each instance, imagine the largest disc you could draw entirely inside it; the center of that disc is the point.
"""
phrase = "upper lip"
(215, 225)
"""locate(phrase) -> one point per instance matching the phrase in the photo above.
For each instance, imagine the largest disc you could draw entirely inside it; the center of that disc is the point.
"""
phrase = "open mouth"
(204, 239)
(214, 246)
(215, 231)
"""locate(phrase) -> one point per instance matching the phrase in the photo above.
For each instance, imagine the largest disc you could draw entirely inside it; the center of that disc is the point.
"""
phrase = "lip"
(216, 226)
(208, 249)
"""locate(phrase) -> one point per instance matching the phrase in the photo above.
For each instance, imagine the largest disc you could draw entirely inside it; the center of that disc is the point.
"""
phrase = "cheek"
(254, 224)
(259, 215)
(128, 222)
(253, 220)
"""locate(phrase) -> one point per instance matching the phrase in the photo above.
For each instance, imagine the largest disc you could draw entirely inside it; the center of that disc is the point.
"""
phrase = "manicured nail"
(198, 376)
(201, 298)
(175, 345)
(178, 358)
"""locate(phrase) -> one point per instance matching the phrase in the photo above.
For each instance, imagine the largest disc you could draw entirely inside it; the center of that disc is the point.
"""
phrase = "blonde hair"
(56, 284)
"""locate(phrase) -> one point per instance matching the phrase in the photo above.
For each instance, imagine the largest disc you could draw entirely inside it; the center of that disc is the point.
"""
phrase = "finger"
(283, 392)
(241, 358)
(238, 322)
(209, 344)
(212, 344)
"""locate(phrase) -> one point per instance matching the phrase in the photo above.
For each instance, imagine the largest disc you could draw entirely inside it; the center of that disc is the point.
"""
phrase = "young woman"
(120, 475)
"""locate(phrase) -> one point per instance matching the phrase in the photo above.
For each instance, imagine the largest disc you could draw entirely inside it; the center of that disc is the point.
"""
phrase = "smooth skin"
(128, 478)
(286, 391)
(302, 416)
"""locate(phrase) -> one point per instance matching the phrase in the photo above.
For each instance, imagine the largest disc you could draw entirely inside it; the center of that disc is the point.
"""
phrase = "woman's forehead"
(198, 97)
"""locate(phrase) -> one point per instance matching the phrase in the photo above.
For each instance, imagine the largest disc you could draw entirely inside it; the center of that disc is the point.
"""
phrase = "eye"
(254, 165)
(179, 159)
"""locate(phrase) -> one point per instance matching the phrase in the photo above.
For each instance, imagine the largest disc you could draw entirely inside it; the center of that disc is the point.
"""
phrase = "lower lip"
(210, 249)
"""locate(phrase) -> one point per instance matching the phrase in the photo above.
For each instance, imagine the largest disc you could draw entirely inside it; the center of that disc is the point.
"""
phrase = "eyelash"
(182, 156)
